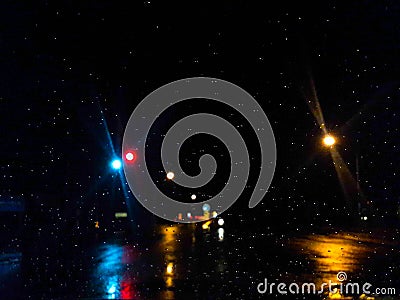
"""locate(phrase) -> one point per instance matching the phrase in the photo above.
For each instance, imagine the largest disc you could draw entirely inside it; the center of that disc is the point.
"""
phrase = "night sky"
(73, 72)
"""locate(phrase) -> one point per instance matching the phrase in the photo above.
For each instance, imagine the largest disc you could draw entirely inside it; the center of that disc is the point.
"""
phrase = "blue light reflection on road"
(114, 273)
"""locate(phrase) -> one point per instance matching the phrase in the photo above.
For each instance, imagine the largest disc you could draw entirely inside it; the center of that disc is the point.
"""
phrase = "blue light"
(116, 164)
(112, 290)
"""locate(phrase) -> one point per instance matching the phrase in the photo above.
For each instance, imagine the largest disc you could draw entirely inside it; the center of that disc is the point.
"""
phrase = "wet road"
(187, 261)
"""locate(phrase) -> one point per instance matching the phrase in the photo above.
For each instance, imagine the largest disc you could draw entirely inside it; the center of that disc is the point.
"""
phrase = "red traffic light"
(130, 156)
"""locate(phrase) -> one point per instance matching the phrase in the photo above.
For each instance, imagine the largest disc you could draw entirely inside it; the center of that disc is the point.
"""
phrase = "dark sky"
(73, 71)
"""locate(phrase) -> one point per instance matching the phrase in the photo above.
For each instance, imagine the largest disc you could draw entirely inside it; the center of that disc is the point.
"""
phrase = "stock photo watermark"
(308, 288)
(152, 106)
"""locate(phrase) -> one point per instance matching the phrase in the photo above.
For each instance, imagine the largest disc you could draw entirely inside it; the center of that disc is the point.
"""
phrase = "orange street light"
(329, 140)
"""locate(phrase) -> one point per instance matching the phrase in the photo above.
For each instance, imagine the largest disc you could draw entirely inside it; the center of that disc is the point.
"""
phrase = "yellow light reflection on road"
(170, 268)
(206, 225)
(331, 254)
(169, 247)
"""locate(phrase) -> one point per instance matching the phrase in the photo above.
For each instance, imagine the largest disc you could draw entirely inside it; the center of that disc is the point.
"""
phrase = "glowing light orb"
(170, 175)
(206, 207)
(221, 222)
(116, 164)
(130, 156)
(193, 197)
(329, 140)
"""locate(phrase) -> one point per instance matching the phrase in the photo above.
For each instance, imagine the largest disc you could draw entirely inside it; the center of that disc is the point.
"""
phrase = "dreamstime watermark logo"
(341, 276)
(144, 115)
(335, 288)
